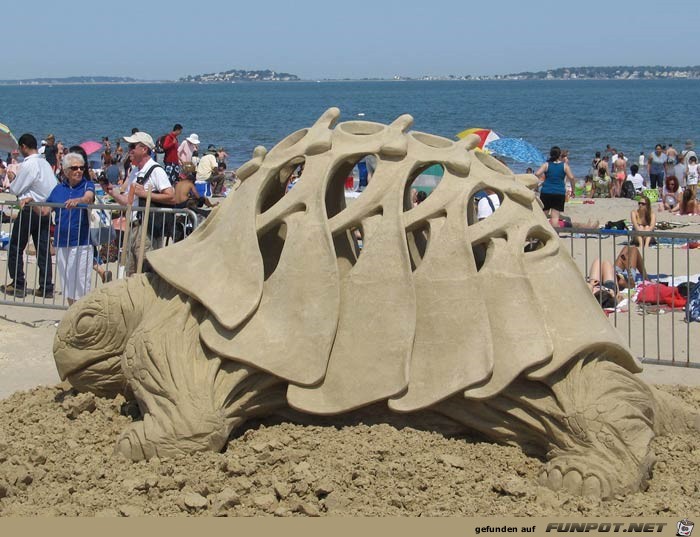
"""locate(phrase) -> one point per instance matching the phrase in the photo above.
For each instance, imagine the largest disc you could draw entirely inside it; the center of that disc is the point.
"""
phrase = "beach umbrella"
(517, 149)
(486, 135)
(91, 146)
(7, 140)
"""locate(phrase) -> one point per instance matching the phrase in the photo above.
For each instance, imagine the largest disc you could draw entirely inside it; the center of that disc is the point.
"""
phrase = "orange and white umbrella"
(487, 135)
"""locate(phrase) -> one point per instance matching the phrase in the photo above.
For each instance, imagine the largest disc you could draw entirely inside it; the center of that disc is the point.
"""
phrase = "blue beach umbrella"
(517, 149)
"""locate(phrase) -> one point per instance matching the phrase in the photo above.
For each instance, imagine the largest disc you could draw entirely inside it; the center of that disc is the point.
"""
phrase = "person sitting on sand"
(629, 267)
(643, 219)
(602, 283)
(186, 194)
(671, 196)
(637, 179)
(688, 204)
(602, 184)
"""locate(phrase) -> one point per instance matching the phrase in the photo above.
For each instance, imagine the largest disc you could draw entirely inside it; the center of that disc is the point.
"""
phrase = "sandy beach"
(56, 445)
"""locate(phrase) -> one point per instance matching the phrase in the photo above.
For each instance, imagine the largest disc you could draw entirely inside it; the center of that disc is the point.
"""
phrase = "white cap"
(140, 138)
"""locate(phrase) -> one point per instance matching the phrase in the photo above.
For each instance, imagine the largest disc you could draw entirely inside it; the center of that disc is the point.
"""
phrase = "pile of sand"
(56, 459)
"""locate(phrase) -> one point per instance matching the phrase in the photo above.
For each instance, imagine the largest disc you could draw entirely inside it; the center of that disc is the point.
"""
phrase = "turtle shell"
(433, 303)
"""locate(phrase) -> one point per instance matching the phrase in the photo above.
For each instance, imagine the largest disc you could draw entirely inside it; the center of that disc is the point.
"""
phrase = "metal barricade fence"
(55, 257)
(655, 332)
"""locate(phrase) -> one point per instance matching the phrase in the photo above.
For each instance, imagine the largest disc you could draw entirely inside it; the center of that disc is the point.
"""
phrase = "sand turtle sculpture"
(272, 304)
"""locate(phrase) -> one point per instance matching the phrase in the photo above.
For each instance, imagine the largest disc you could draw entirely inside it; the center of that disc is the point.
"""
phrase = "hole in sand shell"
(423, 179)
(348, 180)
(535, 242)
(480, 250)
(283, 181)
(483, 205)
(432, 140)
(361, 128)
(271, 244)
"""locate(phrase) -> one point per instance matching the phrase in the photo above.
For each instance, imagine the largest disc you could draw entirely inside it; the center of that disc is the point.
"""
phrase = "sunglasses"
(76, 168)
(134, 146)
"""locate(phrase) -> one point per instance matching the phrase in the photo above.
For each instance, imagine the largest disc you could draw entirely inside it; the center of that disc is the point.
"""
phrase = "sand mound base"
(56, 459)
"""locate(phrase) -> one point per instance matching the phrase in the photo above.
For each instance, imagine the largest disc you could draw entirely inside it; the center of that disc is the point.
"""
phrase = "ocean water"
(582, 116)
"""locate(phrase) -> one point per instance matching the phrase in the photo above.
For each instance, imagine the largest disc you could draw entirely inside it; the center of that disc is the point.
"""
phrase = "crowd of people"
(52, 173)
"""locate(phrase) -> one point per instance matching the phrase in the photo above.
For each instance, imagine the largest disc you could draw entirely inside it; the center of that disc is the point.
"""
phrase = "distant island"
(241, 75)
(70, 80)
(621, 72)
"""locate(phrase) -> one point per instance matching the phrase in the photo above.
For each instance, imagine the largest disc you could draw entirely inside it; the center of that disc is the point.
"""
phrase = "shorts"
(203, 188)
(553, 201)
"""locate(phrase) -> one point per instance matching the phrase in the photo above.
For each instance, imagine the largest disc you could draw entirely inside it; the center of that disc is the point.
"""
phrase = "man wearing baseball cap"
(147, 175)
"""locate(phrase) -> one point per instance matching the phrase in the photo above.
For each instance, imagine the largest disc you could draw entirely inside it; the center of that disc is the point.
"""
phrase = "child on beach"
(691, 175)
(602, 184)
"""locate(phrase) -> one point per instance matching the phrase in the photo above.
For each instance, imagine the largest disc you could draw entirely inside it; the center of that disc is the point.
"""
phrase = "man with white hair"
(149, 176)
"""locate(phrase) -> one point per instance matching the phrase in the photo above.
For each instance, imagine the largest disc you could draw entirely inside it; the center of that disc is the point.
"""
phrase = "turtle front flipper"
(593, 420)
(190, 399)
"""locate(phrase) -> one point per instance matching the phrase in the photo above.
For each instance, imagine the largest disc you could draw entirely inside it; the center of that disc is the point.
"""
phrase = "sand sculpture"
(271, 305)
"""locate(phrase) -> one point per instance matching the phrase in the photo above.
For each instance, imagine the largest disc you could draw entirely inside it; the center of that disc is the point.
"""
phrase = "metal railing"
(655, 332)
(53, 254)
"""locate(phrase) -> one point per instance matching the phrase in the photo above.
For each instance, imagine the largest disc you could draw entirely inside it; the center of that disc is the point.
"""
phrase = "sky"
(316, 39)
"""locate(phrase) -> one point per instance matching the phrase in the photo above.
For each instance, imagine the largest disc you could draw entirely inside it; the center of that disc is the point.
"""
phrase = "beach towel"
(656, 293)
(692, 308)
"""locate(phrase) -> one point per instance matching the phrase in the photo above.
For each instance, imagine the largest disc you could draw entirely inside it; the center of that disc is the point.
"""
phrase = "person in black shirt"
(51, 151)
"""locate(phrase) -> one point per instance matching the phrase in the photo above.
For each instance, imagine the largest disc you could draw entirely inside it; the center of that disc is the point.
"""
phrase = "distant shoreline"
(331, 80)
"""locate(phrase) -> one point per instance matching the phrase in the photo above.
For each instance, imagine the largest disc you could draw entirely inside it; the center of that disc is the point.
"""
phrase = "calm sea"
(582, 116)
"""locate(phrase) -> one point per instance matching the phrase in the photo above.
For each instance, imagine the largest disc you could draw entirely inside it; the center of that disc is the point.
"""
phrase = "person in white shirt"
(488, 205)
(146, 175)
(33, 181)
(210, 179)
(636, 178)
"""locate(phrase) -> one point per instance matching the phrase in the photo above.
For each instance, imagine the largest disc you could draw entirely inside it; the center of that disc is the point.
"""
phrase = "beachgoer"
(688, 204)
(636, 178)
(588, 187)
(641, 161)
(656, 167)
(643, 219)
(602, 184)
(34, 181)
(148, 174)
(671, 195)
(209, 179)
(619, 174)
(689, 151)
(171, 161)
(186, 192)
(553, 189)
(118, 153)
(51, 152)
(110, 170)
(672, 156)
(629, 267)
(594, 164)
(486, 207)
(105, 275)
(74, 253)
(187, 148)
(602, 282)
(679, 171)
(692, 173)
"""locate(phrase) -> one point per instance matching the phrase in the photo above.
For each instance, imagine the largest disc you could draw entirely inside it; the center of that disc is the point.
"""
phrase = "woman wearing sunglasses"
(72, 231)
(643, 219)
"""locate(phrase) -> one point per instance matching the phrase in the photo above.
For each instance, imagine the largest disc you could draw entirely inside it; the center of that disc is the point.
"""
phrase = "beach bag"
(692, 308)
(101, 230)
(652, 194)
(159, 144)
(618, 224)
(627, 190)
